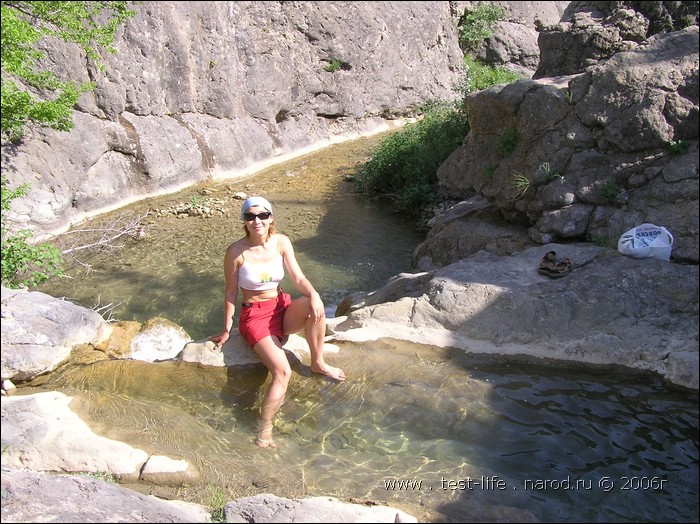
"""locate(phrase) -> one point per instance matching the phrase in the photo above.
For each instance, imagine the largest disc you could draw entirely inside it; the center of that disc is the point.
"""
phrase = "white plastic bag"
(646, 240)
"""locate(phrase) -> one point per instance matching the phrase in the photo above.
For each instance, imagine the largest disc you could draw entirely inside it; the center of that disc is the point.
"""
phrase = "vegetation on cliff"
(404, 166)
(35, 97)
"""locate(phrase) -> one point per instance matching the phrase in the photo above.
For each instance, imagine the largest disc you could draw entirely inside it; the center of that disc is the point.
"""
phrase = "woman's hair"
(270, 232)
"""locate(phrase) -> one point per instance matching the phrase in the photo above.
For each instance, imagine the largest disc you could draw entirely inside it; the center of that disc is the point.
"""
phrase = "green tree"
(33, 96)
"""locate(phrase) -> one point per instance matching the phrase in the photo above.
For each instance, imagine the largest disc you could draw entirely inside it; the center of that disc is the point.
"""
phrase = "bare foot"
(331, 372)
(264, 438)
(265, 442)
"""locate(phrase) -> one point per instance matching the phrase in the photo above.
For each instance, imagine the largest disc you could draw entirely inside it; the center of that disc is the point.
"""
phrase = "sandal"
(561, 269)
(548, 263)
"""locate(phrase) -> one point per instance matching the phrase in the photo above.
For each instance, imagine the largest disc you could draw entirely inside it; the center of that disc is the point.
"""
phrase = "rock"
(39, 497)
(41, 432)
(270, 508)
(610, 309)
(39, 332)
(165, 471)
(159, 339)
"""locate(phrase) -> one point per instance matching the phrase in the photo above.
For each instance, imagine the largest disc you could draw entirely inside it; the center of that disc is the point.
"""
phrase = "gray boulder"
(39, 332)
(270, 508)
(30, 496)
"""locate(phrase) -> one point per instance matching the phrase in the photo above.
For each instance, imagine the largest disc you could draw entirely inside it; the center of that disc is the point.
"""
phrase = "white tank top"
(261, 277)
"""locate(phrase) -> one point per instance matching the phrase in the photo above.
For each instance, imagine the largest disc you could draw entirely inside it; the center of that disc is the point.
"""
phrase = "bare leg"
(272, 355)
(270, 408)
(315, 333)
(297, 317)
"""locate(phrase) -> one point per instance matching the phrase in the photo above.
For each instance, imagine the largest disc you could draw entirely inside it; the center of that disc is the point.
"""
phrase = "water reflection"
(433, 431)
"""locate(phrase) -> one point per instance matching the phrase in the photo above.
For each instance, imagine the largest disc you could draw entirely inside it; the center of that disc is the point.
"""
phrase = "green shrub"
(99, 475)
(198, 203)
(49, 101)
(28, 265)
(476, 25)
(23, 263)
(519, 183)
(478, 76)
(611, 191)
(601, 241)
(34, 97)
(217, 503)
(507, 143)
(404, 165)
(678, 147)
(568, 95)
(550, 175)
(335, 64)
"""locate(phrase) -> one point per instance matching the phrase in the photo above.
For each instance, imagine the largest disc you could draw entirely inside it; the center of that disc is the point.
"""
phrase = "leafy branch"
(32, 96)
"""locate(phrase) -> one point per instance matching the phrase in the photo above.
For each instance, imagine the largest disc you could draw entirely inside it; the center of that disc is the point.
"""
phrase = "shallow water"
(443, 435)
(344, 242)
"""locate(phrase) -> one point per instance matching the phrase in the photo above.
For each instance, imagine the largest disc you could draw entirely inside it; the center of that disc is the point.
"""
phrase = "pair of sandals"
(552, 267)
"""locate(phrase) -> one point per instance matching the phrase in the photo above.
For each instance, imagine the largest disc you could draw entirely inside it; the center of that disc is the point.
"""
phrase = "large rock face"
(585, 156)
(591, 32)
(219, 89)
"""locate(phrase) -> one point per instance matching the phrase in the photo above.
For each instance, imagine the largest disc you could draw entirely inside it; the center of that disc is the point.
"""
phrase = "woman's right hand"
(220, 339)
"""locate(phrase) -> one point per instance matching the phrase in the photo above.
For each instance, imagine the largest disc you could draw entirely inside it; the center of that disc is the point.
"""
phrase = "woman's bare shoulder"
(283, 242)
(236, 249)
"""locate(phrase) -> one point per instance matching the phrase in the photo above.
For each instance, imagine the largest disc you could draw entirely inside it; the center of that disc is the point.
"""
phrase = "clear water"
(440, 434)
(344, 242)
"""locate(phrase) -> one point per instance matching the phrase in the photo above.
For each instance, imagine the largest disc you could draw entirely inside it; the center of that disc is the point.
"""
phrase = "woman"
(256, 264)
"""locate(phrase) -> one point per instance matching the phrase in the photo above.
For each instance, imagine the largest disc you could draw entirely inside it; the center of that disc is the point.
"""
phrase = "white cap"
(255, 201)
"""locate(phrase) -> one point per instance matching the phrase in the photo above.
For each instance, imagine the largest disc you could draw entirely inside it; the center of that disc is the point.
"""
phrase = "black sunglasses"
(249, 217)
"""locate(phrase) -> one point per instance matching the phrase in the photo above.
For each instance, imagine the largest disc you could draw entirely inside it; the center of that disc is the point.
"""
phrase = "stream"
(443, 435)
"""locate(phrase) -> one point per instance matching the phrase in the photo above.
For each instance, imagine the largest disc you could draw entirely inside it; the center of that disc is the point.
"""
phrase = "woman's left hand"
(220, 339)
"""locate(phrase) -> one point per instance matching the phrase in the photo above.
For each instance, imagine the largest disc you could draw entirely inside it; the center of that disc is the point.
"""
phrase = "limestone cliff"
(218, 89)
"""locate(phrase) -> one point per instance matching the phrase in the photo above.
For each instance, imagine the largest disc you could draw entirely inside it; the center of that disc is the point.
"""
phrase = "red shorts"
(262, 319)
